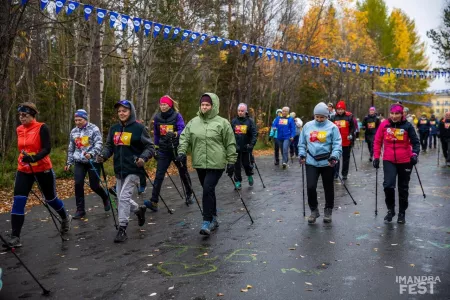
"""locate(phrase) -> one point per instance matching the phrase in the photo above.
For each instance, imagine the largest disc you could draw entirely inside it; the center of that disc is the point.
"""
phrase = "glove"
(28, 159)
(414, 159)
(100, 159)
(376, 163)
(302, 159)
(332, 161)
(249, 147)
(270, 138)
(350, 137)
(230, 169)
(140, 162)
(171, 135)
(181, 158)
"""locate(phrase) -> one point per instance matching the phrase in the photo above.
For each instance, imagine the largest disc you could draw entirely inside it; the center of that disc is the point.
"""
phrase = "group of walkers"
(216, 145)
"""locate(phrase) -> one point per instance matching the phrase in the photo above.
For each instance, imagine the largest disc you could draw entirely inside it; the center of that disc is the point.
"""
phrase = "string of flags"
(435, 92)
(387, 96)
(155, 29)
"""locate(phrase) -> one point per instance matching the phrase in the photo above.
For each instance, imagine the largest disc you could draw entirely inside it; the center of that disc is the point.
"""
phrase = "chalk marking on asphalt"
(308, 272)
(237, 253)
(362, 237)
(184, 248)
(212, 268)
(438, 245)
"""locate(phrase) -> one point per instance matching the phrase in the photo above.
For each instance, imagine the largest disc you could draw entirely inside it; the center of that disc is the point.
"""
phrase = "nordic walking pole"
(45, 204)
(362, 148)
(376, 191)
(418, 177)
(45, 292)
(303, 184)
(343, 183)
(190, 186)
(256, 167)
(240, 196)
(43, 196)
(354, 159)
(439, 148)
(174, 185)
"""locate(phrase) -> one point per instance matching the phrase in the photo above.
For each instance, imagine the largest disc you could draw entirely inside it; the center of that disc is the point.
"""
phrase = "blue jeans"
(284, 146)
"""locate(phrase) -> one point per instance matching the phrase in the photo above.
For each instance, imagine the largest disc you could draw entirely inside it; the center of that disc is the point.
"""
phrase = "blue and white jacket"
(87, 139)
(319, 138)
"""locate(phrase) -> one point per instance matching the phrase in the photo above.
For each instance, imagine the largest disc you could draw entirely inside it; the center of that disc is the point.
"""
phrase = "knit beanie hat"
(167, 100)
(81, 113)
(206, 98)
(396, 108)
(341, 105)
(321, 109)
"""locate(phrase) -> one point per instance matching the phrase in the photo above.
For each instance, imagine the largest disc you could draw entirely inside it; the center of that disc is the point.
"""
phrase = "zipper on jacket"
(395, 140)
(206, 145)
(121, 155)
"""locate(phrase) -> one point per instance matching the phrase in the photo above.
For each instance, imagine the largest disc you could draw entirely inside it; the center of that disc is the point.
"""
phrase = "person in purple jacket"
(168, 125)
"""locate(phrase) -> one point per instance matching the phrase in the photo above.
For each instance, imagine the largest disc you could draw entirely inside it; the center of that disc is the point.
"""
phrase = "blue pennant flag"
(376, 69)
(167, 30)
(156, 29)
(218, 40)
(361, 68)
(260, 51)
(23, 2)
(269, 53)
(87, 11)
(71, 7)
(317, 62)
(147, 27)
(252, 50)
(212, 40)
(415, 73)
(382, 71)
(275, 54)
(389, 71)
(339, 65)
(313, 61)
(288, 57)
(349, 66)
(295, 57)
(124, 21)
(235, 43)
(194, 36)
(59, 5)
(344, 67)
(404, 73)
(175, 33)
(186, 33)
(300, 58)
(244, 48)
(43, 4)
(225, 44)
(203, 39)
(306, 58)
(101, 14)
(113, 16)
(371, 69)
(353, 67)
(281, 55)
(325, 62)
(137, 24)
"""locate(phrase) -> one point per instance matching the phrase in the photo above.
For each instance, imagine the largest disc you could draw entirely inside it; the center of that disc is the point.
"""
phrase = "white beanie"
(321, 109)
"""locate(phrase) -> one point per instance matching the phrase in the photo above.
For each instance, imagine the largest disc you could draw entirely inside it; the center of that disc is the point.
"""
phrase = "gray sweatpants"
(126, 188)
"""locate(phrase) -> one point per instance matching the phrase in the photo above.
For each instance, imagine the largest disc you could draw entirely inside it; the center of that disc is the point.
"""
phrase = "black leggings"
(312, 177)
(243, 160)
(209, 179)
(80, 171)
(391, 171)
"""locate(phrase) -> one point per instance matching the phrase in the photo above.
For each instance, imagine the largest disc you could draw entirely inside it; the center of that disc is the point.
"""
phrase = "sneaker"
(314, 215)
(206, 228)
(140, 213)
(106, 205)
(250, 181)
(189, 200)
(401, 218)
(79, 214)
(151, 205)
(66, 224)
(448, 164)
(390, 215)
(344, 177)
(214, 223)
(277, 163)
(121, 235)
(327, 215)
(370, 159)
(13, 242)
(237, 185)
(112, 191)
(284, 165)
(141, 189)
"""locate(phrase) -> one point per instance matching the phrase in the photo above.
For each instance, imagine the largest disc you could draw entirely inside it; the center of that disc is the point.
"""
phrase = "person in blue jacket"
(320, 148)
(434, 125)
(424, 131)
(273, 134)
(285, 127)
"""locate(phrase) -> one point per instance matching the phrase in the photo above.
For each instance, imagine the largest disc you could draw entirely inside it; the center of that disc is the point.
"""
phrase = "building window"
(437, 102)
(446, 103)
(446, 110)
(437, 110)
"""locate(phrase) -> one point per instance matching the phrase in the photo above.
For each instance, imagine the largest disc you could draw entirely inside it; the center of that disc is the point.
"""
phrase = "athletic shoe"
(214, 223)
(151, 205)
(277, 163)
(206, 228)
(121, 235)
(401, 218)
(141, 189)
(14, 242)
(327, 215)
(113, 191)
(250, 180)
(140, 213)
(106, 205)
(189, 199)
(390, 215)
(66, 224)
(314, 215)
(448, 164)
(344, 177)
(370, 159)
(284, 165)
(79, 214)
(237, 185)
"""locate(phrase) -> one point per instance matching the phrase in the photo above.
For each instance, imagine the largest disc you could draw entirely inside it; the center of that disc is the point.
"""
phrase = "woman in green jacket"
(213, 147)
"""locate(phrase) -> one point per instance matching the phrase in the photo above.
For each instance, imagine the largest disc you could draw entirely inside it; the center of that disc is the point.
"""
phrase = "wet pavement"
(280, 256)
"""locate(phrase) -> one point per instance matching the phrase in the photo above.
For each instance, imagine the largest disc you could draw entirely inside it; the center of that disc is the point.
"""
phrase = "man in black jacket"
(444, 134)
(370, 125)
(245, 133)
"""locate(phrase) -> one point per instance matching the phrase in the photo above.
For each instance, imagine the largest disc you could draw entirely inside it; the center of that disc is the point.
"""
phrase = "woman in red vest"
(33, 143)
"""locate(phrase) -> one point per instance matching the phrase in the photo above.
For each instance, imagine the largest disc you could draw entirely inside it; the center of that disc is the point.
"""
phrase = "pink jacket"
(400, 141)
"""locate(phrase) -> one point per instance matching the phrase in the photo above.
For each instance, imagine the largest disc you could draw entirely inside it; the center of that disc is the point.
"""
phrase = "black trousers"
(277, 151)
(164, 160)
(243, 160)
(369, 140)
(391, 172)
(293, 147)
(432, 138)
(446, 149)
(346, 151)
(209, 179)
(80, 171)
(312, 177)
(424, 139)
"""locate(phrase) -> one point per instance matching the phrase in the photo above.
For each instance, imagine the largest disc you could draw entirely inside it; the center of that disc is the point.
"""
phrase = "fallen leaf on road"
(308, 283)
(292, 248)
(302, 256)
(156, 250)
(375, 249)
(394, 244)
(171, 288)
(249, 286)
(389, 267)
(358, 244)
(205, 254)
(220, 295)
(144, 271)
(73, 269)
(244, 290)
(152, 294)
(309, 290)
(332, 242)
(412, 265)
(356, 213)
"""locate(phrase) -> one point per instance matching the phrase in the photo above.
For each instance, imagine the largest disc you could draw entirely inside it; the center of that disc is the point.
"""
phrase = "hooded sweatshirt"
(434, 124)
(210, 139)
(244, 132)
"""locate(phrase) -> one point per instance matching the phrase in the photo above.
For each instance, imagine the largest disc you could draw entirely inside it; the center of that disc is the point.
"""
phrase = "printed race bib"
(122, 138)
(82, 141)
(164, 129)
(422, 122)
(341, 123)
(371, 125)
(283, 121)
(433, 122)
(240, 129)
(395, 134)
(318, 136)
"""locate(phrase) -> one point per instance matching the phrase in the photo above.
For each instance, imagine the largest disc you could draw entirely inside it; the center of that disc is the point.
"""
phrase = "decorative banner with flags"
(43, 4)
(137, 24)
(403, 101)
(176, 31)
(87, 11)
(59, 5)
(101, 14)
(113, 17)
(147, 27)
(167, 30)
(71, 7)
(124, 19)
(186, 33)
(156, 29)
(203, 38)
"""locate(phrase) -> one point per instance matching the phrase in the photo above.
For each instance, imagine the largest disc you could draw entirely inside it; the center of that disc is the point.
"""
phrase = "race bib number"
(164, 129)
(122, 138)
(371, 125)
(283, 121)
(82, 141)
(447, 125)
(423, 122)
(433, 122)
(318, 136)
(395, 134)
(240, 129)
(341, 123)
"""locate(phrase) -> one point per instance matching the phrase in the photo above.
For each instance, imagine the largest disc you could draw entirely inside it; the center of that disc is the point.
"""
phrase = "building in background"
(440, 104)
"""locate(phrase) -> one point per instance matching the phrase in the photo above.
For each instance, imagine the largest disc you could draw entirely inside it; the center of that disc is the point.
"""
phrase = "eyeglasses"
(22, 115)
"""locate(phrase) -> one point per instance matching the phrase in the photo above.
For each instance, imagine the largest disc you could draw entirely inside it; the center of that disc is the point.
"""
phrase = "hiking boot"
(214, 223)
(140, 213)
(141, 189)
(106, 205)
(66, 224)
(314, 215)
(112, 191)
(237, 185)
(206, 228)
(327, 215)
(121, 235)
(151, 205)
(79, 214)
(189, 200)
(250, 181)
(390, 214)
(401, 218)
(13, 242)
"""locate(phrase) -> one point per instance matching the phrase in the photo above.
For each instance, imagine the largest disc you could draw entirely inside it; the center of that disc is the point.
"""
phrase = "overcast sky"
(428, 15)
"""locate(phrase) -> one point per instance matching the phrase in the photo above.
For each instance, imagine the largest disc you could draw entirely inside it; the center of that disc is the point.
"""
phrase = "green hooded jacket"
(210, 138)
